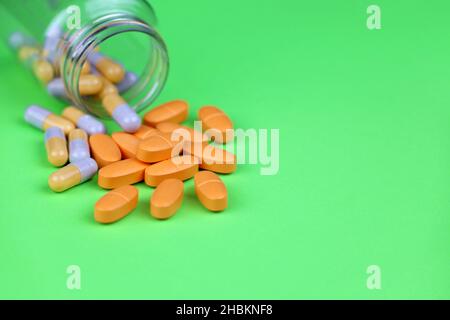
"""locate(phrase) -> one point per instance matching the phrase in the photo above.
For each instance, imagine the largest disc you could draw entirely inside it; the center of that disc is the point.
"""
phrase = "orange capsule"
(116, 204)
(212, 158)
(174, 111)
(56, 145)
(181, 168)
(86, 68)
(112, 70)
(128, 144)
(167, 199)
(145, 132)
(211, 191)
(217, 123)
(43, 70)
(121, 173)
(155, 148)
(104, 150)
(89, 85)
(108, 88)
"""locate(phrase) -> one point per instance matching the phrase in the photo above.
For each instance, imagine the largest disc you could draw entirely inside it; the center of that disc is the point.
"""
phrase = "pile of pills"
(162, 152)
(101, 78)
(157, 149)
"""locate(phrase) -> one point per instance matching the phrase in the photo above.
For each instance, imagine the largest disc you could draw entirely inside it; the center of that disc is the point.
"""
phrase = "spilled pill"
(113, 71)
(27, 52)
(182, 133)
(211, 191)
(122, 113)
(121, 173)
(18, 39)
(181, 168)
(167, 127)
(145, 132)
(217, 123)
(128, 144)
(167, 199)
(43, 70)
(56, 146)
(84, 121)
(212, 158)
(174, 111)
(78, 145)
(156, 148)
(104, 150)
(72, 175)
(56, 88)
(44, 119)
(116, 204)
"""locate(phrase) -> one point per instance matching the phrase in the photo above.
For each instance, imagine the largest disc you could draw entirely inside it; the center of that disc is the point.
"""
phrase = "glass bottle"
(67, 34)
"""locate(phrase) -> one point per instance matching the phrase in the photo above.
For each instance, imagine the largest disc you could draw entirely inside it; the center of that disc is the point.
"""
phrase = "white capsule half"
(56, 88)
(128, 81)
(127, 118)
(78, 145)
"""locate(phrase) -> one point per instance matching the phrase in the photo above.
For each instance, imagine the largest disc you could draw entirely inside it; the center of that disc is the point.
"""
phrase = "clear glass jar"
(69, 31)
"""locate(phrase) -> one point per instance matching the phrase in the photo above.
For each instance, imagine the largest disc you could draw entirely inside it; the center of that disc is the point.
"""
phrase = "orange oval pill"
(179, 132)
(121, 173)
(127, 143)
(104, 150)
(181, 168)
(217, 123)
(167, 199)
(173, 111)
(145, 132)
(212, 158)
(155, 148)
(211, 191)
(116, 204)
(167, 127)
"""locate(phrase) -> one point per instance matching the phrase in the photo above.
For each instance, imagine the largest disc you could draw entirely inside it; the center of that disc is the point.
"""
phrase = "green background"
(364, 163)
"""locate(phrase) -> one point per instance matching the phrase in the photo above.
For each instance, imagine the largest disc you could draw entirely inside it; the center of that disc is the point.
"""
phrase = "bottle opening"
(126, 40)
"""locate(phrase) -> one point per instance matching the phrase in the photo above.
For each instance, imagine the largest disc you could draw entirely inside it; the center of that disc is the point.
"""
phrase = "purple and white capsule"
(73, 174)
(127, 118)
(53, 35)
(122, 113)
(56, 146)
(128, 81)
(43, 119)
(56, 88)
(78, 145)
(109, 68)
(18, 39)
(84, 121)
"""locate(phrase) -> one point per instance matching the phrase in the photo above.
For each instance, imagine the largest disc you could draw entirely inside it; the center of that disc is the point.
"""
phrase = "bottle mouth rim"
(81, 43)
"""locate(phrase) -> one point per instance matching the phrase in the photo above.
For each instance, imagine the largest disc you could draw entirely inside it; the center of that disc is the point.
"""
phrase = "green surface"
(364, 167)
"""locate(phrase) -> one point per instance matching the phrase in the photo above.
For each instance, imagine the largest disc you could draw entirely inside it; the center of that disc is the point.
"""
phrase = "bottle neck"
(76, 47)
